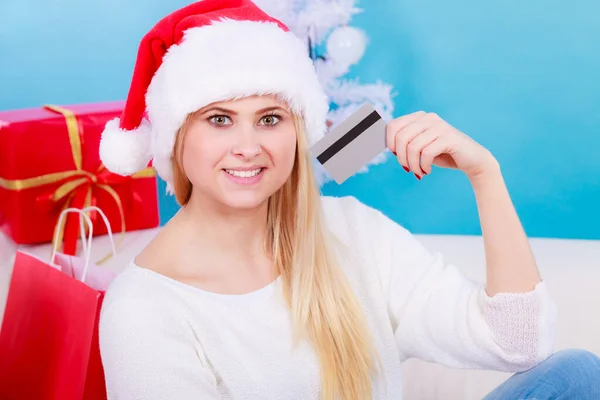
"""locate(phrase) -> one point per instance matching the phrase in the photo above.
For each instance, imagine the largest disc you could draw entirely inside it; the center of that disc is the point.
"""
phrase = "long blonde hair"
(324, 308)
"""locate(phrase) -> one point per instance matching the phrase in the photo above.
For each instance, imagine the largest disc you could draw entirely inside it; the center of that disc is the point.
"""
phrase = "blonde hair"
(324, 308)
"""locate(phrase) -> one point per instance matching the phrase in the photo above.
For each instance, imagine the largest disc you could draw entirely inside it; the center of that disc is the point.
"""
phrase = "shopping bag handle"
(87, 243)
(108, 227)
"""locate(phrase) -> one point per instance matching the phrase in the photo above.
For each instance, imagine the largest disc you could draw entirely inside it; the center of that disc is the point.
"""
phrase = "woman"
(261, 289)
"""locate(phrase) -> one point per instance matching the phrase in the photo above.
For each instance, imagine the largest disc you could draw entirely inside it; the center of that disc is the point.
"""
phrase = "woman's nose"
(247, 143)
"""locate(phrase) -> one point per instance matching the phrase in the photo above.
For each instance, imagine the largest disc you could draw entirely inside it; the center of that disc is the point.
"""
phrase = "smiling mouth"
(244, 174)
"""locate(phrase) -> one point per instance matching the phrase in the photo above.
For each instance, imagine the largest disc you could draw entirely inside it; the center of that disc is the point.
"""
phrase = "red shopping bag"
(49, 347)
(49, 340)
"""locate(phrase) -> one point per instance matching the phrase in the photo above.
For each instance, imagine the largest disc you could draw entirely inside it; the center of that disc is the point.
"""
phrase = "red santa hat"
(209, 51)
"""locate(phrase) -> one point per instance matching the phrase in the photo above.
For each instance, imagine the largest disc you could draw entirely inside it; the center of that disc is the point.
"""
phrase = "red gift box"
(49, 161)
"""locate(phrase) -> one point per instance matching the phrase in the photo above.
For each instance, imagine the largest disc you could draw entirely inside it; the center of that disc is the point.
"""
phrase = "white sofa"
(570, 267)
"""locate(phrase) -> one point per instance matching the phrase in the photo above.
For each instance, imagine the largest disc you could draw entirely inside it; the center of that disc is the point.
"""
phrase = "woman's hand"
(421, 140)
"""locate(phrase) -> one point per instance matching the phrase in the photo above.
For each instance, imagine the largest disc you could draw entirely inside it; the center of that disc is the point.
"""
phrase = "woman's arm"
(510, 265)
(421, 140)
(510, 324)
(435, 312)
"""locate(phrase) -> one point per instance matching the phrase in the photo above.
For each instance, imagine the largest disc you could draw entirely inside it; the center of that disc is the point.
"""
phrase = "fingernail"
(424, 173)
(406, 169)
(418, 177)
(394, 153)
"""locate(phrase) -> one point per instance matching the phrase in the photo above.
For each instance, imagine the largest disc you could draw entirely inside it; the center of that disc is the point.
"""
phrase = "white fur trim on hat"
(227, 60)
(125, 152)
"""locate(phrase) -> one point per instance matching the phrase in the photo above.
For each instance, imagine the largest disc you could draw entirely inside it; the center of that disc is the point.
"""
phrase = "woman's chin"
(248, 197)
(245, 201)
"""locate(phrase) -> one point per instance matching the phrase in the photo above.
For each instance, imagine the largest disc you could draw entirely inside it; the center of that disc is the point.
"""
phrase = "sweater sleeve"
(149, 352)
(439, 315)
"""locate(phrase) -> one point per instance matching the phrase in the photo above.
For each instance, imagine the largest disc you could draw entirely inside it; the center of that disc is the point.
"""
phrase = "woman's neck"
(209, 240)
(225, 229)
(217, 250)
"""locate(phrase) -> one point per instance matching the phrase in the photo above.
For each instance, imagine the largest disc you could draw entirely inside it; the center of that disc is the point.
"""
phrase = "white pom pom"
(125, 152)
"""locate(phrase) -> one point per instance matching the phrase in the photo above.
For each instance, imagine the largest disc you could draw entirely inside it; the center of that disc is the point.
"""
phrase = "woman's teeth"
(244, 174)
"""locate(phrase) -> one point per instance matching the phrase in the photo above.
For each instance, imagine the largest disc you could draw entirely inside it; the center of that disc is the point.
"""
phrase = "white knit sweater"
(161, 339)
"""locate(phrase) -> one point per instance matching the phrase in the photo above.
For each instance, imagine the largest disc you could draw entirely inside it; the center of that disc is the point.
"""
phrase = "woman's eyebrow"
(218, 109)
(272, 108)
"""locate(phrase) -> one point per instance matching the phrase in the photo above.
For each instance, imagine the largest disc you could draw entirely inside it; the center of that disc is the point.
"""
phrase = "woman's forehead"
(249, 103)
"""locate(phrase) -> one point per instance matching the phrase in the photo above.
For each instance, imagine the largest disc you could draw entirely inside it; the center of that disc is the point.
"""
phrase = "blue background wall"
(522, 78)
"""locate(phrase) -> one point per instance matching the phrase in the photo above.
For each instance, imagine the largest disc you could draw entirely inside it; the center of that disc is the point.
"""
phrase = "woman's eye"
(220, 120)
(269, 120)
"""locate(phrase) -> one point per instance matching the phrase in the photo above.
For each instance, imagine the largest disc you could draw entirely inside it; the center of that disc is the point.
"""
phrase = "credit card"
(352, 144)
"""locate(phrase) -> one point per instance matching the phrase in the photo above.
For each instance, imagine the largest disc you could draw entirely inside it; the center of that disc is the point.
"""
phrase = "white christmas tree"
(326, 22)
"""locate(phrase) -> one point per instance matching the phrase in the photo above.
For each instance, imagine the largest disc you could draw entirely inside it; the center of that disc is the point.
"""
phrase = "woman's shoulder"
(362, 242)
(344, 206)
(356, 225)
(140, 313)
(348, 212)
(135, 293)
(131, 283)
(362, 226)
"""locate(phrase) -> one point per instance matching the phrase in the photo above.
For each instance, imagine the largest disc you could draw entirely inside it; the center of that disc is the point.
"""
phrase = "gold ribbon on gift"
(75, 179)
